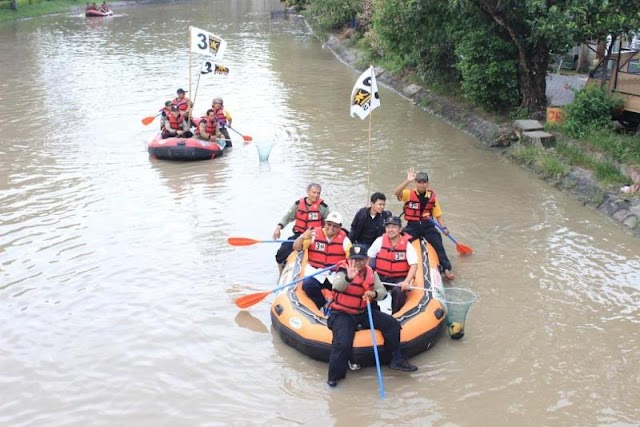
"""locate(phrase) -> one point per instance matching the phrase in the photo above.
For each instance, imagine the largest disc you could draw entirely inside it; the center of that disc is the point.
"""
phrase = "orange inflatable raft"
(303, 326)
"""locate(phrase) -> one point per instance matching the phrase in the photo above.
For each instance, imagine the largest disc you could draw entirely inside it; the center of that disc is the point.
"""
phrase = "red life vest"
(350, 300)
(210, 126)
(175, 122)
(308, 216)
(222, 118)
(412, 210)
(182, 104)
(391, 261)
(323, 253)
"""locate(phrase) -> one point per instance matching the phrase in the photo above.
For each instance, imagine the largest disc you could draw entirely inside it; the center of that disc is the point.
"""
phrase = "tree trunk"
(14, 4)
(532, 76)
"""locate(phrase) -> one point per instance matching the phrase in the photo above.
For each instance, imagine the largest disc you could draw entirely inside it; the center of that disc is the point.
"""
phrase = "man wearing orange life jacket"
(183, 103)
(326, 246)
(354, 284)
(208, 128)
(396, 261)
(420, 205)
(307, 212)
(224, 119)
(175, 125)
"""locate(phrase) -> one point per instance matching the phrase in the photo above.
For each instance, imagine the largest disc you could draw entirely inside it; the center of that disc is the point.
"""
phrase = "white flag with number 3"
(206, 43)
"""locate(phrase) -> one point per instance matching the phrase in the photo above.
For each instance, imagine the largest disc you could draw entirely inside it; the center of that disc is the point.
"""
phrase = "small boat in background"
(97, 13)
(183, 149)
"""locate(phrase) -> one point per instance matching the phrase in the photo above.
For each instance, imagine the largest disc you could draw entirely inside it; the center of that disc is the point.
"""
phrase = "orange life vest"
(412, 210)
(308, 216)
(175, 122)
(350, 300)
(391, 261)
(182, 104)
(323, 253)
(222, 118)
(210, 126)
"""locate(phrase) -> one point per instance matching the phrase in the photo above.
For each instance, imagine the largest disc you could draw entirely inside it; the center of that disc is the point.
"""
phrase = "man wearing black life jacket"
(307, 212)
(368, 222)
(325, 246)
(356, 283)
(420, 205)
(175, 125)
(396, 261)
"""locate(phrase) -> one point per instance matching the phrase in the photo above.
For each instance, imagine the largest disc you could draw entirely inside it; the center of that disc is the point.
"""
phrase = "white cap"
(334, 217)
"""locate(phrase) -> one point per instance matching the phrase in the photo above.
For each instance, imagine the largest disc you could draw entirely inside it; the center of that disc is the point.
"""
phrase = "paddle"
(397, 285)
(462, 249)
(375, 350)
(246, 138)
(149, 119)
(252, 299)
(245, 241)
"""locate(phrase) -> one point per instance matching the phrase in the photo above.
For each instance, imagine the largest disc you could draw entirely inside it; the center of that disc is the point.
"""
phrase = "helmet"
(217, 100)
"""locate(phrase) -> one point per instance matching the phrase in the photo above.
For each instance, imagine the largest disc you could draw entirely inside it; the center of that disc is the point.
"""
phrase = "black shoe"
(332, 383)
(402, 365)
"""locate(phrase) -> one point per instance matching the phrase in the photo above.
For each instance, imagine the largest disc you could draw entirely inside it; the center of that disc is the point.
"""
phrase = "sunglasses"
(331, 224)
(421, 181)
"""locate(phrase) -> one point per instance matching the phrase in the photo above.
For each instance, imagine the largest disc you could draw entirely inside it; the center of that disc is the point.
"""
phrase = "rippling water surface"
(117, 285)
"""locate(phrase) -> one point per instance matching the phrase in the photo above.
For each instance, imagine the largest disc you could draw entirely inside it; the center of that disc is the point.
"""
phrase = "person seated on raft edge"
(207, 129)
(224, 118)
(396, 261)
(104, 7)
(326, 246)
(421, 204)
(164, 113)
(308, 212)
(175, 125)
(354, 284)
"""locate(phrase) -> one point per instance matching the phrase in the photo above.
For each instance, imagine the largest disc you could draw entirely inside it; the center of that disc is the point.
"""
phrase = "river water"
(117, 285)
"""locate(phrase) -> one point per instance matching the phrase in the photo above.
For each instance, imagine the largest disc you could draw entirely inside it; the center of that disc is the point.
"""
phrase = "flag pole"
(189, 115)
(369, 145)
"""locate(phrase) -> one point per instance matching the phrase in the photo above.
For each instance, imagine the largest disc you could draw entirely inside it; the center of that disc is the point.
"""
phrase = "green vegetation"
(541, 161)
(591, 109)
(31, 8)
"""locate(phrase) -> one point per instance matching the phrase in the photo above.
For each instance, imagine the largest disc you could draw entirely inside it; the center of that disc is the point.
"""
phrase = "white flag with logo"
(364, 96)
(209, 67)
(205, 43)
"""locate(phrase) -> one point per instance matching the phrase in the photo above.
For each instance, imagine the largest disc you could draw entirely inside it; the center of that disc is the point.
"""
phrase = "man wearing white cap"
(326, 246)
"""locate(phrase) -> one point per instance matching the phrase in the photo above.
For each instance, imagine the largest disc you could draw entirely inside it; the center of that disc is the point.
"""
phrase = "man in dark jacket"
(368, 223)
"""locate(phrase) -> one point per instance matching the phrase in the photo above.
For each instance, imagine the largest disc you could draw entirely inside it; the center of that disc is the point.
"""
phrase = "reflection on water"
(117, 285)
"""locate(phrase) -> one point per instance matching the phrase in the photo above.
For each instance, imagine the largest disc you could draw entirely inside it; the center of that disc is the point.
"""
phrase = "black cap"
(167, 103)
(181, 91)
(393, 220)
(422, 176)
(358, 252)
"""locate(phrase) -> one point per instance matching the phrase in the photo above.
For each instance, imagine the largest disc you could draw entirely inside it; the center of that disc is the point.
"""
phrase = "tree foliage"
(488, 79)
(417, 34)
(332, 14)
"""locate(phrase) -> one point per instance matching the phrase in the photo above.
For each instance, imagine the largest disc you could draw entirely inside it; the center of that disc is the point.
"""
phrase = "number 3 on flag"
(205, 43)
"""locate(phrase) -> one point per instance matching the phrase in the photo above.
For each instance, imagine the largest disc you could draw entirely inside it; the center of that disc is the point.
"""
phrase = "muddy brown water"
(117, 285)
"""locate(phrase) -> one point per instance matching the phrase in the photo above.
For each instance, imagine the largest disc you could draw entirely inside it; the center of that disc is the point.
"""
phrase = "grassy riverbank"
(32, 8)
